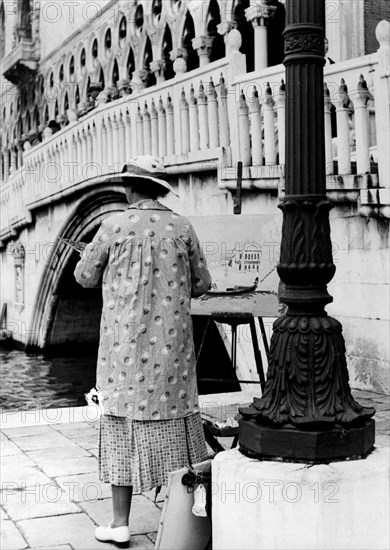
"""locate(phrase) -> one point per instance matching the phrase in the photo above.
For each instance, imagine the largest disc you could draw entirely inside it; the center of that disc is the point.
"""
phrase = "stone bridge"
(201, 124)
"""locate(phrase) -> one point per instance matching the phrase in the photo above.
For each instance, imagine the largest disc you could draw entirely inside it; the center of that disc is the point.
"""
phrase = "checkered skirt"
(142, 453)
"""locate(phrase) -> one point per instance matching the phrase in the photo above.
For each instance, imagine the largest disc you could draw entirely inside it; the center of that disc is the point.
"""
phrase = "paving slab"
(144, 515)
(56, 547)
(3, 514)
(152, 536)
(40, 501)
(38, 442)
(27, 431)
(8, 448)
(10, 537)
(72, 427)
(160, 497)
(76, 530)
(94, 452)
(58, 466)
(71, 450)
(141, 542)
(18, 472)
(84, 487)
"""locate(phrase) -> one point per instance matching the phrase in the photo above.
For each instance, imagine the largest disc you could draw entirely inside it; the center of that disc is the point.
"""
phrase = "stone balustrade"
(211, 118)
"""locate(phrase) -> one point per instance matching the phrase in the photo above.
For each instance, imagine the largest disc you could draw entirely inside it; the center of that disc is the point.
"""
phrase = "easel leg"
(264, 336)
(256, 351)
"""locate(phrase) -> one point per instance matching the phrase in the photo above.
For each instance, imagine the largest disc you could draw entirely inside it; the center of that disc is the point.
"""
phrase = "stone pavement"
(50, 493)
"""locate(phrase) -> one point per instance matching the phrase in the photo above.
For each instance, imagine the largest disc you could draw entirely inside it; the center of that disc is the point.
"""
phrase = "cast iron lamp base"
(267, 443)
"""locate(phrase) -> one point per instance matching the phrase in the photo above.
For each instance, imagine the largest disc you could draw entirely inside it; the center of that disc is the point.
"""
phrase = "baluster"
(122, 142)
(170, 127)
(84, 151)
(343, 138)
(362, 128)
(95, 147)
(110, 145)
(194, 121)
(256, 130)
(212, 110)
(115, 144)
(147, 131)
(243, 130)
(73, 168)
(162, 129)
(57, 177)
(269, 127)
(185, 124)
(154, 127)
(223, 114)
(140, 132)
(129, 141)
(90, 150)
(104, 157)
(281, 110)
(203, 118)
(329, 169)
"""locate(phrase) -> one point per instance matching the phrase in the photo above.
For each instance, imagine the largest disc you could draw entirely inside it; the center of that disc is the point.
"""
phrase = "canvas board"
(240, 248)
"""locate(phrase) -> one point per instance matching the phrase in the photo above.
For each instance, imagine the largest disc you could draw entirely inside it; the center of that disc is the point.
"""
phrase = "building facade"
(86, 85)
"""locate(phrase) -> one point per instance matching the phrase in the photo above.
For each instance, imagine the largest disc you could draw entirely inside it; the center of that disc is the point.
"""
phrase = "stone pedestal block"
(280, 505)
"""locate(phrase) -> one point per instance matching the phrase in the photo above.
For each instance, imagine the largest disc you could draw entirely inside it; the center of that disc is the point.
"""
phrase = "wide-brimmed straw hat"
(147, 168)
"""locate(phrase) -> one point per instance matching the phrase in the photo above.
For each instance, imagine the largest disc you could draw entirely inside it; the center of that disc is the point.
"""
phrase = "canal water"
(30, 381)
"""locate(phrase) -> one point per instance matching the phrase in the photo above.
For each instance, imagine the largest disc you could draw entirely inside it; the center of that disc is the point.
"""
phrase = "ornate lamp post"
(307, 412)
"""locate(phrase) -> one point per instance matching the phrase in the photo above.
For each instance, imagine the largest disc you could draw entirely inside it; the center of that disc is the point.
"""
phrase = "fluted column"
(307, 411)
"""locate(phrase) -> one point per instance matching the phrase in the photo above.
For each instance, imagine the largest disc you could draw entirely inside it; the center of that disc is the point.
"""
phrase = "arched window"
(247, 33)
(130, 64)
(188, 35)
(2, 30)
(122, 31)
(36, 121)
(77, 96)
(115, 73)
(108, 40)
(95, 49)
(101, 78)
(66, 103)
(139, 19)
(82, 59)
(156, 10)
(213, 20)
(148, 58)
(28, 122)
(61, 73)
(71, 66)
(166, 50)
(56, 111)
(24, 27)
(276, 26)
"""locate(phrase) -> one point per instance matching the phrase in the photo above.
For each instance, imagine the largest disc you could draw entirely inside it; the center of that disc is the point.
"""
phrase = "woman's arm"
(89, 270)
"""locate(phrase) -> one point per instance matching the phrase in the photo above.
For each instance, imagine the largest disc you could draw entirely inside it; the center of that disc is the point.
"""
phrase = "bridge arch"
(55, 309)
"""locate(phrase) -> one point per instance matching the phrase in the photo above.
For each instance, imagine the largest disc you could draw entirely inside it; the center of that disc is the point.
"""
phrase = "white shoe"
(115, 534)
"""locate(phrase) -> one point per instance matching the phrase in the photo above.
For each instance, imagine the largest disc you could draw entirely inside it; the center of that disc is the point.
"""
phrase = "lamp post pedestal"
(287, 506)
(307, 411)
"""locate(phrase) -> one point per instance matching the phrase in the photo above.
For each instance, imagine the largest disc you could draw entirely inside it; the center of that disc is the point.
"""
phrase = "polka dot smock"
(149, 264)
